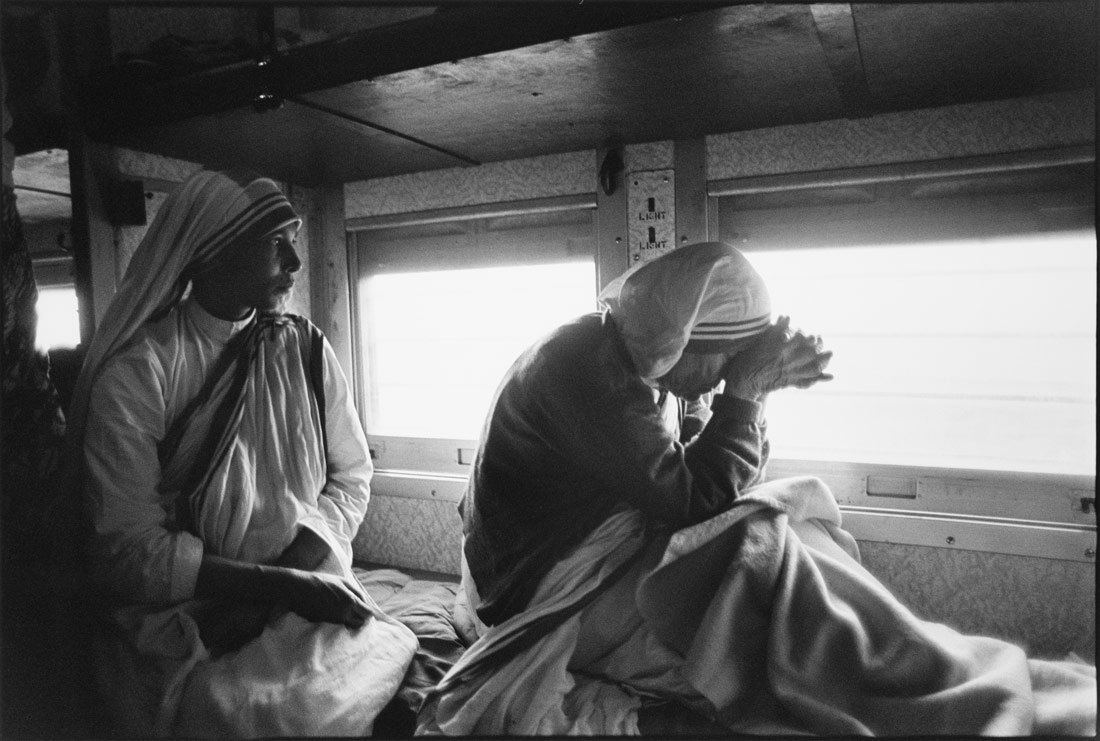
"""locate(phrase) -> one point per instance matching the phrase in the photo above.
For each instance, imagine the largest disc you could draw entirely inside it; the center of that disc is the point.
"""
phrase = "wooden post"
(84, 45)
(690, 164)
(94, 253)
(330, 283)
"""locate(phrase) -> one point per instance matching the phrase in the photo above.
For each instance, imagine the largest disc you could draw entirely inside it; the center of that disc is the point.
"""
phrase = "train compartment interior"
(915, 180)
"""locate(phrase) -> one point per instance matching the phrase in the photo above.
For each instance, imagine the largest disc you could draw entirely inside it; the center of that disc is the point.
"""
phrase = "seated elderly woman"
(226, 473)
(618, 579)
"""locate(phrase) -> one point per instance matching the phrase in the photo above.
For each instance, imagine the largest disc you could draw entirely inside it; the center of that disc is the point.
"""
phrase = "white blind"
(962, 315)
(444, 310)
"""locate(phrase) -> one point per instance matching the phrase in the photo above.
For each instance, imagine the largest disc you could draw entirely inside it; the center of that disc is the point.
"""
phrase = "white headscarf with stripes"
(205, 214)
(701, 297)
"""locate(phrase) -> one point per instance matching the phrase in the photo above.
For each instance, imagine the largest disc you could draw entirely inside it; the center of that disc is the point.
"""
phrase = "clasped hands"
(226, 625)
(780, 358)
(306, 579)
(315, 586)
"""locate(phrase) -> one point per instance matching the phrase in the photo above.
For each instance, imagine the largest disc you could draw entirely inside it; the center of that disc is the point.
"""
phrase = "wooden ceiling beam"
(836, 30)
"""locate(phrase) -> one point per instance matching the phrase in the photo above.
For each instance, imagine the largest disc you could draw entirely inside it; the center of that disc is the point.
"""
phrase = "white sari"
(249, 466)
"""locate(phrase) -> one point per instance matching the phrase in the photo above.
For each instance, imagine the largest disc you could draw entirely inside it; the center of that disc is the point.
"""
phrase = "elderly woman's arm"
(707, 475)
(136, 556)
(315, 596)
(604, 420)
(242, 603)
(324, 541)
(346, 493)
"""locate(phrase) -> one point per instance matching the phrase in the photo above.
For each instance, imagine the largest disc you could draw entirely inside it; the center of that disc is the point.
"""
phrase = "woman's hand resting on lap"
(315, 595)
(323, 597)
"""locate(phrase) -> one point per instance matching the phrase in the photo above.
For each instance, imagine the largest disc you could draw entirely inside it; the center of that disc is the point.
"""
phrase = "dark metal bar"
(361, 122)
(872, 174)
(32, 189)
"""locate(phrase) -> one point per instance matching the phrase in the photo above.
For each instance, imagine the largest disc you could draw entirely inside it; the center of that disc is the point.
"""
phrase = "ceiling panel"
(737, 68)
(412, 97)
(294, 144)
(42, 193)
(943, 53)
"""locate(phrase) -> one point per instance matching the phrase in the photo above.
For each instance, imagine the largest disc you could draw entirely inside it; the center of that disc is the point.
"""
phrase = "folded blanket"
(839, 652)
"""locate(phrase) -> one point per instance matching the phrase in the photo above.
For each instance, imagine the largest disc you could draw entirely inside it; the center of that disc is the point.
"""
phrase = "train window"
(961, 310)
(441, 340)
(56, 307)
(58, 318)
(444, 306)
(976, 355)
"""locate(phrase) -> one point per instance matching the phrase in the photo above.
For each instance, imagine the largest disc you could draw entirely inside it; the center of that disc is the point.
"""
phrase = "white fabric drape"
(148, 361)
(771, 621)
(196, 221)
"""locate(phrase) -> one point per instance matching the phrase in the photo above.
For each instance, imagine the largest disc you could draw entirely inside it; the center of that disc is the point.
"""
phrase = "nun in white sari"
(226, 473)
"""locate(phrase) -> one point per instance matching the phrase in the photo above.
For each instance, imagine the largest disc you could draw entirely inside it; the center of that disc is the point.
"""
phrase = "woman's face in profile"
(256, 274)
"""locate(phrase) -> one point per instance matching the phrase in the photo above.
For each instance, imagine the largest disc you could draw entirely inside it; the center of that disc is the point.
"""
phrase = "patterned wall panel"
(1041, 122)
(1046, 606)
(648, 156)
(129, 237)
(411, 533)
(130, 163)
(144, 165)
(496, 182)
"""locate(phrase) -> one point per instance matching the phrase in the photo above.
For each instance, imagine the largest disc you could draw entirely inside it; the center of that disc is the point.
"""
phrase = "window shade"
(961, 311)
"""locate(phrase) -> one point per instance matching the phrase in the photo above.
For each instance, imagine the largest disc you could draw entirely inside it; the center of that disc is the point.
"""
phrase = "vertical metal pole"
(612, 245)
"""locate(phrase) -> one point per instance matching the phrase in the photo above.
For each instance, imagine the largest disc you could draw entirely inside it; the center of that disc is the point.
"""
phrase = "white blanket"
(778, 626)
(341, 680)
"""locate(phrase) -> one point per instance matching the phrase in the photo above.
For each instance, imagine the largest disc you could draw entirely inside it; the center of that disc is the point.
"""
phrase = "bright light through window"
(58, 319)
(964, 355)
(438, 343)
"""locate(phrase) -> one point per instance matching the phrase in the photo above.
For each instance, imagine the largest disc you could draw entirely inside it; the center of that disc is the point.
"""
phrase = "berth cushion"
(425, 605)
